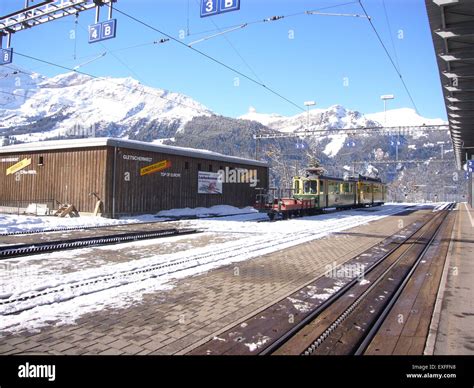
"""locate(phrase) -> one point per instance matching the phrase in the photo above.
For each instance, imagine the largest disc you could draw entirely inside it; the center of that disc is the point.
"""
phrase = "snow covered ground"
(15, 223)
(55, 296)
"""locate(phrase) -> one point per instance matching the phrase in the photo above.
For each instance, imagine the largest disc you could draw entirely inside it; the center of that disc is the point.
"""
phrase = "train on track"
(314, 193)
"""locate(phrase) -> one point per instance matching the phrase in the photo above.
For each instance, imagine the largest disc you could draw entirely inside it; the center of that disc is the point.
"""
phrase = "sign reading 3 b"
(215, 7)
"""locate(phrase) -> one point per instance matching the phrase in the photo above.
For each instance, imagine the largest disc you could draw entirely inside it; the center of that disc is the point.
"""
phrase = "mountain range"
(35, 108)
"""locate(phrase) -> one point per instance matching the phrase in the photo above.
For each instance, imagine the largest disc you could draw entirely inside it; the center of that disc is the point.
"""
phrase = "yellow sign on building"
(19, 166)
(163, 165)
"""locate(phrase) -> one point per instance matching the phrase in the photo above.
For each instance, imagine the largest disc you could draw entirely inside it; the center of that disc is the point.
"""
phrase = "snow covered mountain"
(403, 117)
(337, 117)
(33, 107)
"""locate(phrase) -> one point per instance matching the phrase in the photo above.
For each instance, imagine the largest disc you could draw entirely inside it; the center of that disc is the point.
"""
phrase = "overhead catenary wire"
(211, 58)
(164, 40)
(233, 46)
(217, 34)
(390, 34)
(275, 18)
(114, 56)
(389, 56)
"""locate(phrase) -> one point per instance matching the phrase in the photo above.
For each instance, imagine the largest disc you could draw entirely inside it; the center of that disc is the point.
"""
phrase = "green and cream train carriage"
(328, 192)
(314, 193)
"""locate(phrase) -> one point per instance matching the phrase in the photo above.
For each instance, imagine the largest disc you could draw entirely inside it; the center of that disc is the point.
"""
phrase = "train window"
(310, 187)
(297, 186)
(306, 186)
(331, 187)
(199, 166)
(321, 187)
(40, 161)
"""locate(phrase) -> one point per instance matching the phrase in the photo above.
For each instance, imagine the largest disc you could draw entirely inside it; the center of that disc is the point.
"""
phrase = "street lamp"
(386, 97)
(308, 104)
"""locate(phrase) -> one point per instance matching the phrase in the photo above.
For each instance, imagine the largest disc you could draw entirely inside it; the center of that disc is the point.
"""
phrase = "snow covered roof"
(130, 144)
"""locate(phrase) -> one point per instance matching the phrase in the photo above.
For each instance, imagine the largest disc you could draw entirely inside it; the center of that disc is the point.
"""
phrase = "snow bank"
(219, 210)
(21, 223)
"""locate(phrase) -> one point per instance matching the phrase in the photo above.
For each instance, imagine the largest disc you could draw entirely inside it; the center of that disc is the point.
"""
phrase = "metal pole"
(256, 148)
(97, 14)
(113, 183)
(396, 146)
(110, 9)
(307, 109)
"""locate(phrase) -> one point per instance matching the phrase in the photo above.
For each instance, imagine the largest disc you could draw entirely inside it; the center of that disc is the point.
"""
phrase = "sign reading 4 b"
(214, 7)
(103, 31)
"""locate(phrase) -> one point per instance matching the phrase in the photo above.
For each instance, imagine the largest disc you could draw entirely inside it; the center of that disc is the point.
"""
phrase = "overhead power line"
(274, 18)
(390, 33)
(389, 56)
(211, 58)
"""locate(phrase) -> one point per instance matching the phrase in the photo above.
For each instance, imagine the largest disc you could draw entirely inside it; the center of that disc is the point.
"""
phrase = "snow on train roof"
(131, 144)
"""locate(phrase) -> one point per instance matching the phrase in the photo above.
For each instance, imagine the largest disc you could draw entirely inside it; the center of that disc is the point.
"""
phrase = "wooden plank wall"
(154, 192)
(67, 176)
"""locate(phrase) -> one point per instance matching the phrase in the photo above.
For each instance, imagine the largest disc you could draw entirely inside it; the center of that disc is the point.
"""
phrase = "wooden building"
(129, 177)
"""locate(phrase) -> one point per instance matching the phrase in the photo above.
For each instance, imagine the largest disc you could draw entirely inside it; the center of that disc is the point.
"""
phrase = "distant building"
(130, 177)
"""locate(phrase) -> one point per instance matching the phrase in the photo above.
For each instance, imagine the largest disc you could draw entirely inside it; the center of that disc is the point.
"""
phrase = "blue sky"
(331, 59)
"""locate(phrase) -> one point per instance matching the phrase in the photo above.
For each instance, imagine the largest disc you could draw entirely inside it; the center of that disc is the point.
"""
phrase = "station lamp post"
(308, 104)
(386, 97)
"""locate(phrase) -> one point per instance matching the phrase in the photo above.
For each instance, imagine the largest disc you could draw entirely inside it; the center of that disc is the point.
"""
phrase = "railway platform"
(197, 308)
(453, 321)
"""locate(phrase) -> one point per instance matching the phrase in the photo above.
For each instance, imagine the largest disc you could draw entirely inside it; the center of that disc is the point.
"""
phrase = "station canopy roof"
(452, 29)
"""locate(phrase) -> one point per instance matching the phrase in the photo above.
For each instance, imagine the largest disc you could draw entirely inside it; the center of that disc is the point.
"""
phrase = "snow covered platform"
(166, 298)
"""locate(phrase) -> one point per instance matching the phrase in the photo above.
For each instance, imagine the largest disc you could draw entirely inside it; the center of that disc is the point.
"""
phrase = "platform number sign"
(95, 33)
(470, 165)
(103, 31)
(109, 29)
(6, 56)
(209, 7)
(214, 7)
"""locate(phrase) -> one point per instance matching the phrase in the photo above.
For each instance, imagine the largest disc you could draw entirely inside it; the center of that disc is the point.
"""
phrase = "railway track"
(350, 327)
(66, 290)
(70, 228)
(348, 318)
(10, 251)
(132, 224)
